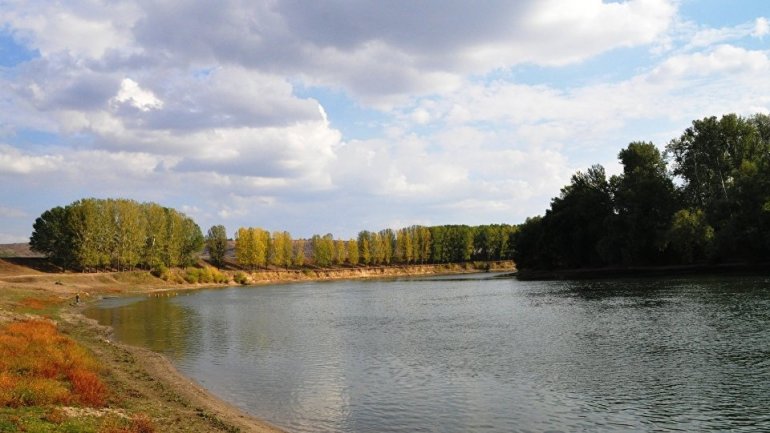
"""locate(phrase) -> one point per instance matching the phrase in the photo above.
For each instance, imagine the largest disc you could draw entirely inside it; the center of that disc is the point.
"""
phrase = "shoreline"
(146, 381)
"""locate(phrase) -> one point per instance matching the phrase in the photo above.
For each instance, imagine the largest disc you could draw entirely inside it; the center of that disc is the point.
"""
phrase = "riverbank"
(142, 383)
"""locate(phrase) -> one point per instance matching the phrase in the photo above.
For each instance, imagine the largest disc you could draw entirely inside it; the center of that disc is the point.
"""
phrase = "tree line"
(94, 234)
(100, 234)
(705, 199)
(256, 247)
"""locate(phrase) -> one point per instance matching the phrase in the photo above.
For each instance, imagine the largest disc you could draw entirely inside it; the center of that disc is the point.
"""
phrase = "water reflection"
(474, 355)
(152, 322)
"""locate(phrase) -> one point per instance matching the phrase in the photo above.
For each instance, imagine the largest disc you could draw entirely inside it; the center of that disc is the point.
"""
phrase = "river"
(472, 353)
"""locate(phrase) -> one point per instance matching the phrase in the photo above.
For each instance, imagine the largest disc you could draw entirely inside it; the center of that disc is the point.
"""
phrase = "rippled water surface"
(473, 354)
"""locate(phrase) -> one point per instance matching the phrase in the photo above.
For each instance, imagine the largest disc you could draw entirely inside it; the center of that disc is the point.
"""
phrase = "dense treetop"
(711, 204)
(92, 234)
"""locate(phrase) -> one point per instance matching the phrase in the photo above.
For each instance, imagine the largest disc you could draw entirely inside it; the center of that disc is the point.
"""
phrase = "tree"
(323, 249)
(575, 225)
(244, 247)
(405, 245)
(690, 236)
(424, 244)
(388, 239)
(645, 201)
(724, 167)
(216, 242)
(352, 251)
(156, 241)
(281, 250)
(340, 252)
(528, 248)
(192, 242)
(53, 237)
(95, 234)
(365, 255)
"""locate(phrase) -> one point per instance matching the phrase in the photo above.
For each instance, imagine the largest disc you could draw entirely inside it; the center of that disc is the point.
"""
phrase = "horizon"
(337, 118)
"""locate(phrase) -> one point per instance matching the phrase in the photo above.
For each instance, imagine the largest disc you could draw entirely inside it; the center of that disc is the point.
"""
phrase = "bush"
(205, 275)
(241, 278)
(218, 276)
(192, 275)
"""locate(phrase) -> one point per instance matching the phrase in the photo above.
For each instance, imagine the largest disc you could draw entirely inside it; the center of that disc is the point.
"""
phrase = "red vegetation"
(39, 365)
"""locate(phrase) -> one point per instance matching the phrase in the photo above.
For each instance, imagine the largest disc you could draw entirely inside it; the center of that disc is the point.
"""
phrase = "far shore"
(143, 381)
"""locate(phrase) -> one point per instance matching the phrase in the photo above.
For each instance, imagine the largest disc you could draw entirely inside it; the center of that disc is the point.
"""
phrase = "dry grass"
(41, 366)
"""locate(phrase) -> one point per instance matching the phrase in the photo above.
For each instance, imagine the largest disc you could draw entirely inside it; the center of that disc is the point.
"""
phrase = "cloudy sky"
(342, 115)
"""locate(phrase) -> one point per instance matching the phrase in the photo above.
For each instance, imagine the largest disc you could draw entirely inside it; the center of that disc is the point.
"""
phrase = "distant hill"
(17, 250)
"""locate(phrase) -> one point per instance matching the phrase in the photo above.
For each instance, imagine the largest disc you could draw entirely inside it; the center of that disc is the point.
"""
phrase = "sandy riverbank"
(141, 381)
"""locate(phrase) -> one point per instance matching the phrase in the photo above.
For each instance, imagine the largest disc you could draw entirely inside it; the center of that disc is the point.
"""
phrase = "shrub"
(192, 275)
(241, 278)
(218, 276)
(205, 275)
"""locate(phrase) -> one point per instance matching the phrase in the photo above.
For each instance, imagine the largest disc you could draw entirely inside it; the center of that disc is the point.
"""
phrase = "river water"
(472, 354)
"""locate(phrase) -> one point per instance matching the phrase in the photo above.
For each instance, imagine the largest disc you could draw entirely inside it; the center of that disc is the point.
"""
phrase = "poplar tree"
(352, 251)
(340, 252)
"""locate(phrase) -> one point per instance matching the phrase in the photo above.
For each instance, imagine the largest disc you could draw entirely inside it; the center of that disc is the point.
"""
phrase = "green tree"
(156, 237)
(281, 250)
(365, 255)
(352, 251)
(576, 224)
(323, 249)
(53, 236)
(340, 252)
(645, 201)
(691, 236)
(216, 242)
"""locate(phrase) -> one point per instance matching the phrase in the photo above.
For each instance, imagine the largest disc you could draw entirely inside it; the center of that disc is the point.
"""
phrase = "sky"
(335, 116)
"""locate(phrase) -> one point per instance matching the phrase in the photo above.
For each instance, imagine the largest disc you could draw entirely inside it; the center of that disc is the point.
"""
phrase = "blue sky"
(338, 116)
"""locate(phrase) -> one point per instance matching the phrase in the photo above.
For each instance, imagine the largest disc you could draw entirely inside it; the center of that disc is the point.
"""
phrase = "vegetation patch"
(41, 366)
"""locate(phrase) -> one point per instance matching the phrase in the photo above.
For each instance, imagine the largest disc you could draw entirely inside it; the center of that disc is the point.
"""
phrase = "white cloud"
(13, 161)
(761, 27)
(722, 59)
(131, 93)
(82, 28)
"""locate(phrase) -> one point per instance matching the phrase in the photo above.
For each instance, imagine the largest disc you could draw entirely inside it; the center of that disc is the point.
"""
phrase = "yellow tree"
(339, 252)
(244, 247)
(352, 252)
